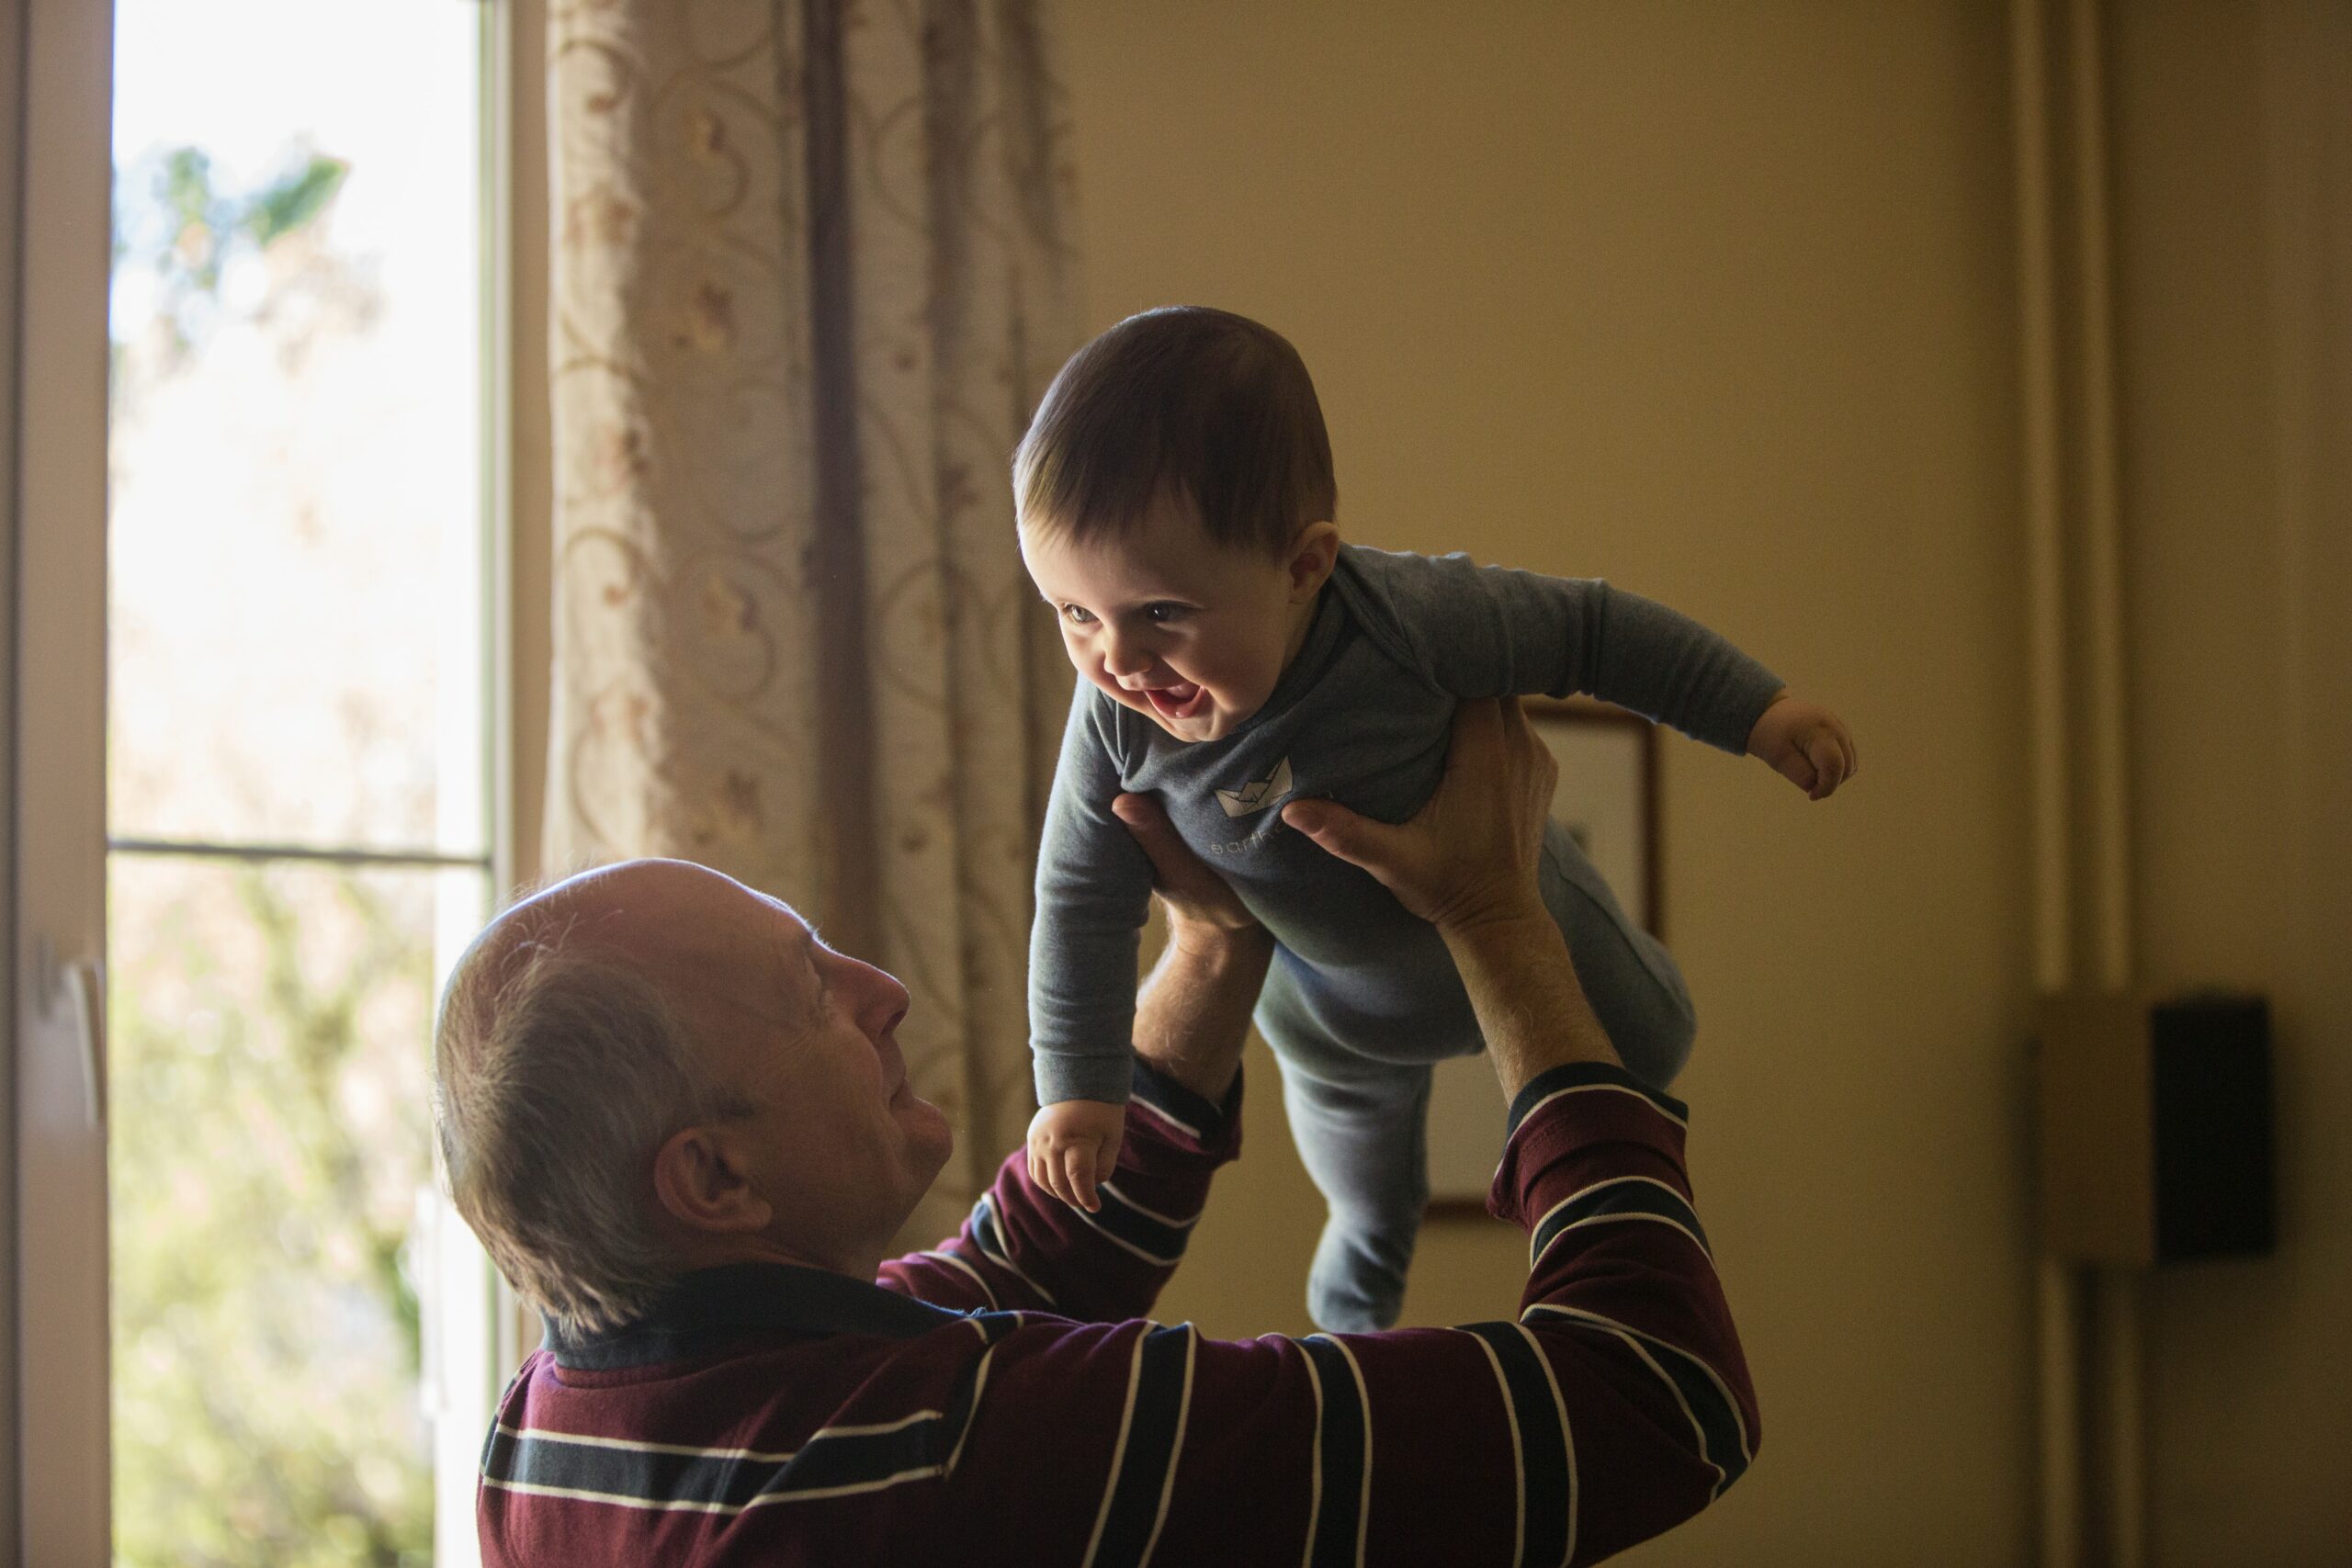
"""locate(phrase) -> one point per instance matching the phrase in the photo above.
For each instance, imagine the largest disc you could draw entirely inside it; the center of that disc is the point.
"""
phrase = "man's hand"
(1808, 744)
(1197, 899)
(1470, 855)
(1467, 864)
(1073, 1145)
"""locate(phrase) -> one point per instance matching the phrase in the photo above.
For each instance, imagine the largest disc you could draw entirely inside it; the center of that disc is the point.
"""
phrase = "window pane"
(296, 531)
(269, 1041)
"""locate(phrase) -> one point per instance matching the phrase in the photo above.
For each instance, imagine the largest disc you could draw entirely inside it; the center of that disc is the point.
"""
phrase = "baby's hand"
(1807, 743)
(1074, 1144)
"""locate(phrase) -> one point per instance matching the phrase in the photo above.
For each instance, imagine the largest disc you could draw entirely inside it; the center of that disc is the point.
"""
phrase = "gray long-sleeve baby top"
(1362, 716)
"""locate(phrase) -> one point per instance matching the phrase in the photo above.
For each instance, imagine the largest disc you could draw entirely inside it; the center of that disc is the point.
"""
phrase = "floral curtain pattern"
(812, 272)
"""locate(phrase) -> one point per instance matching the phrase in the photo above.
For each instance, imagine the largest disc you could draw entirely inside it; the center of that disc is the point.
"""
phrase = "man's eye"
(1079, 614)
(1163, 612)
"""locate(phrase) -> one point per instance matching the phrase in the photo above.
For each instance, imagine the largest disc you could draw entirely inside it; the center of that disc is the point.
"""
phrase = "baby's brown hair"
(1201, 404)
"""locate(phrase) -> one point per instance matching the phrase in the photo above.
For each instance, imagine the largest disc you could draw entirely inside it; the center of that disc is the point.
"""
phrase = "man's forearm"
(1192, 1014)
(1624, 1403)
(1522, 985)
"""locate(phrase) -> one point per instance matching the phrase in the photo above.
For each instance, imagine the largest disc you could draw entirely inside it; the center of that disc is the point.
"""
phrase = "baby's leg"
(1635, 987)
(1360, 1127)
(1362, 1140)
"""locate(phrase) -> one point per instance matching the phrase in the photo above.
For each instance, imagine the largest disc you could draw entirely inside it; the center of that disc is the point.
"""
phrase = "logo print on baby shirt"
(1258, 793)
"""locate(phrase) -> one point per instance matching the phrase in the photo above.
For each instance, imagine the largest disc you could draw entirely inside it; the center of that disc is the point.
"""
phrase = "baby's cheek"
(1247, 695)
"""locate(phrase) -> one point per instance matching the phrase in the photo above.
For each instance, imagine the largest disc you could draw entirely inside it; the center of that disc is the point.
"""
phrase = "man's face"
(1190, 633)
(848, 1146)
(837, 1141)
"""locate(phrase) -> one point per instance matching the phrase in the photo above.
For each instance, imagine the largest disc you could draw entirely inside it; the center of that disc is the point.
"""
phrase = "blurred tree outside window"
(297, 759)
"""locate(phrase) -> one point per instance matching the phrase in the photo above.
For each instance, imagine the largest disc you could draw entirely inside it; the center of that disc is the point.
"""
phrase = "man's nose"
(882, 1002)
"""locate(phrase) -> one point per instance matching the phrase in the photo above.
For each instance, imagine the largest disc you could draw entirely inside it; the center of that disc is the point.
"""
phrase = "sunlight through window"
(297, 765)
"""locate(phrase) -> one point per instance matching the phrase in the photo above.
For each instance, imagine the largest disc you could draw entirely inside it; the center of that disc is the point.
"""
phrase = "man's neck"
(719, 1251)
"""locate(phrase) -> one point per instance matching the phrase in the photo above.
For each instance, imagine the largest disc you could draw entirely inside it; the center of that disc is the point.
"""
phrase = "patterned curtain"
(812, 272)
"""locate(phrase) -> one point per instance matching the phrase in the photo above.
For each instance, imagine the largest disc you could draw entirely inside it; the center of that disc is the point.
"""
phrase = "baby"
(1176, 506)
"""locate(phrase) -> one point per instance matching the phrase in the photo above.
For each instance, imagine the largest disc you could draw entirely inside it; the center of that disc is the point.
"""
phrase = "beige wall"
(12, 99)
(2232, 136)
(1716, 301)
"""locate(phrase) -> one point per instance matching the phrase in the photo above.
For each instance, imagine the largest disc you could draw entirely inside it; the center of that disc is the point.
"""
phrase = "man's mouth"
(1180, 699)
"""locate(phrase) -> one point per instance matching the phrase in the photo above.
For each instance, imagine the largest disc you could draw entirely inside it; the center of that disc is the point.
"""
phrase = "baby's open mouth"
(1181, 700)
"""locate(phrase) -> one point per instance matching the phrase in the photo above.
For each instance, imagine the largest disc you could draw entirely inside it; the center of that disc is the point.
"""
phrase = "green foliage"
(293, 201)
(201, 221)
(268, 1144)
(173, 220)
(268, 1038)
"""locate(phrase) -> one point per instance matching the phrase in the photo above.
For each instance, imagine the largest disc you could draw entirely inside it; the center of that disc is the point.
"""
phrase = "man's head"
(1176, 505)
(650, 1068)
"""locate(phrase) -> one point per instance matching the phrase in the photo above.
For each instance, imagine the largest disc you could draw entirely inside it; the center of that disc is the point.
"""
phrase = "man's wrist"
(1193, 1013)
(1219, 947)
(1505, 922)
(1532, 1010)
(1207, 1073)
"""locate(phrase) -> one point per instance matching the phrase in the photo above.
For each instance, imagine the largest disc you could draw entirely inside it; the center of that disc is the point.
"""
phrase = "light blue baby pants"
(1356, 1046)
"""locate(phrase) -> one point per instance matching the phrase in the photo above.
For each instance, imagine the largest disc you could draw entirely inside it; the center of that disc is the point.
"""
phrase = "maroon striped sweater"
(1003, 1399)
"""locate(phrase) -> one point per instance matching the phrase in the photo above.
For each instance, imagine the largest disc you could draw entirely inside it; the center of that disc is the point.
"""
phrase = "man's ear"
(1312, 556)
(703, 1187)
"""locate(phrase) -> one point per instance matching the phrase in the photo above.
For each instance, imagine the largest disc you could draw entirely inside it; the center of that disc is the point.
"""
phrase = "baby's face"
(1190, 633)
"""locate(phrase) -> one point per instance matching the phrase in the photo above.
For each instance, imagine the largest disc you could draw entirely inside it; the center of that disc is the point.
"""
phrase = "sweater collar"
(712, 1304)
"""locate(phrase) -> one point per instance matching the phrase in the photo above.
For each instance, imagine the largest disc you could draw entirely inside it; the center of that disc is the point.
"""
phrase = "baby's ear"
(1312, 556)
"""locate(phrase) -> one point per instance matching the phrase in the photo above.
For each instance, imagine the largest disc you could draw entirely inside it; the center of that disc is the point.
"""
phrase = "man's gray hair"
(559, 1072)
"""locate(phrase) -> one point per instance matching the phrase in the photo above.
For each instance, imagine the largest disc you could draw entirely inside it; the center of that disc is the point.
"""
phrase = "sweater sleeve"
(1093, 893)
(1492, 631)
(1023, 1248)
(1614, 1405)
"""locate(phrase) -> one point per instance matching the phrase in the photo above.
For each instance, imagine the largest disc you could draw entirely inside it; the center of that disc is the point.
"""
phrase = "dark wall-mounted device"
(2155, 1127)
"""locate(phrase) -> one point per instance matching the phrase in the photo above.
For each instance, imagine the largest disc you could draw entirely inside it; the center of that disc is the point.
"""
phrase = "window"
(302, 549)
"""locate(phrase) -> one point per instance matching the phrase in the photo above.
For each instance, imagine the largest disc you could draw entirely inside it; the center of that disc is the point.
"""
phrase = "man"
(682, 1126)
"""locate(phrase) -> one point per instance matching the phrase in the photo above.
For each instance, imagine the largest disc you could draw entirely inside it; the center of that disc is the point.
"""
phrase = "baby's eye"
(1164, 612)
(1078, 615)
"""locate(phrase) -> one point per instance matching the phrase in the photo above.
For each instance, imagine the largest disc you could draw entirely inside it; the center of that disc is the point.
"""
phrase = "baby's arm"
(1093, 890)
(1490, 631)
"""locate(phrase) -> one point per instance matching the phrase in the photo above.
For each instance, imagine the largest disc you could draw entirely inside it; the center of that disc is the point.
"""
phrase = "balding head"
(649, 1068)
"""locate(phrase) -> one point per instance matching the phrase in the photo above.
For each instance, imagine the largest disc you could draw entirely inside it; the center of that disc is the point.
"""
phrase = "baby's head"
(1176, 506)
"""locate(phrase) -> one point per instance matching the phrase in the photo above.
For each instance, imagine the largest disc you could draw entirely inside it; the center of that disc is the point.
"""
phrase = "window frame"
(63, 212)
(56, 62)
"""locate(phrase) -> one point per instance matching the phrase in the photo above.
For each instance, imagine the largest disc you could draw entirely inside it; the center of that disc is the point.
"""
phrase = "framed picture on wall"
(1608, 800)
